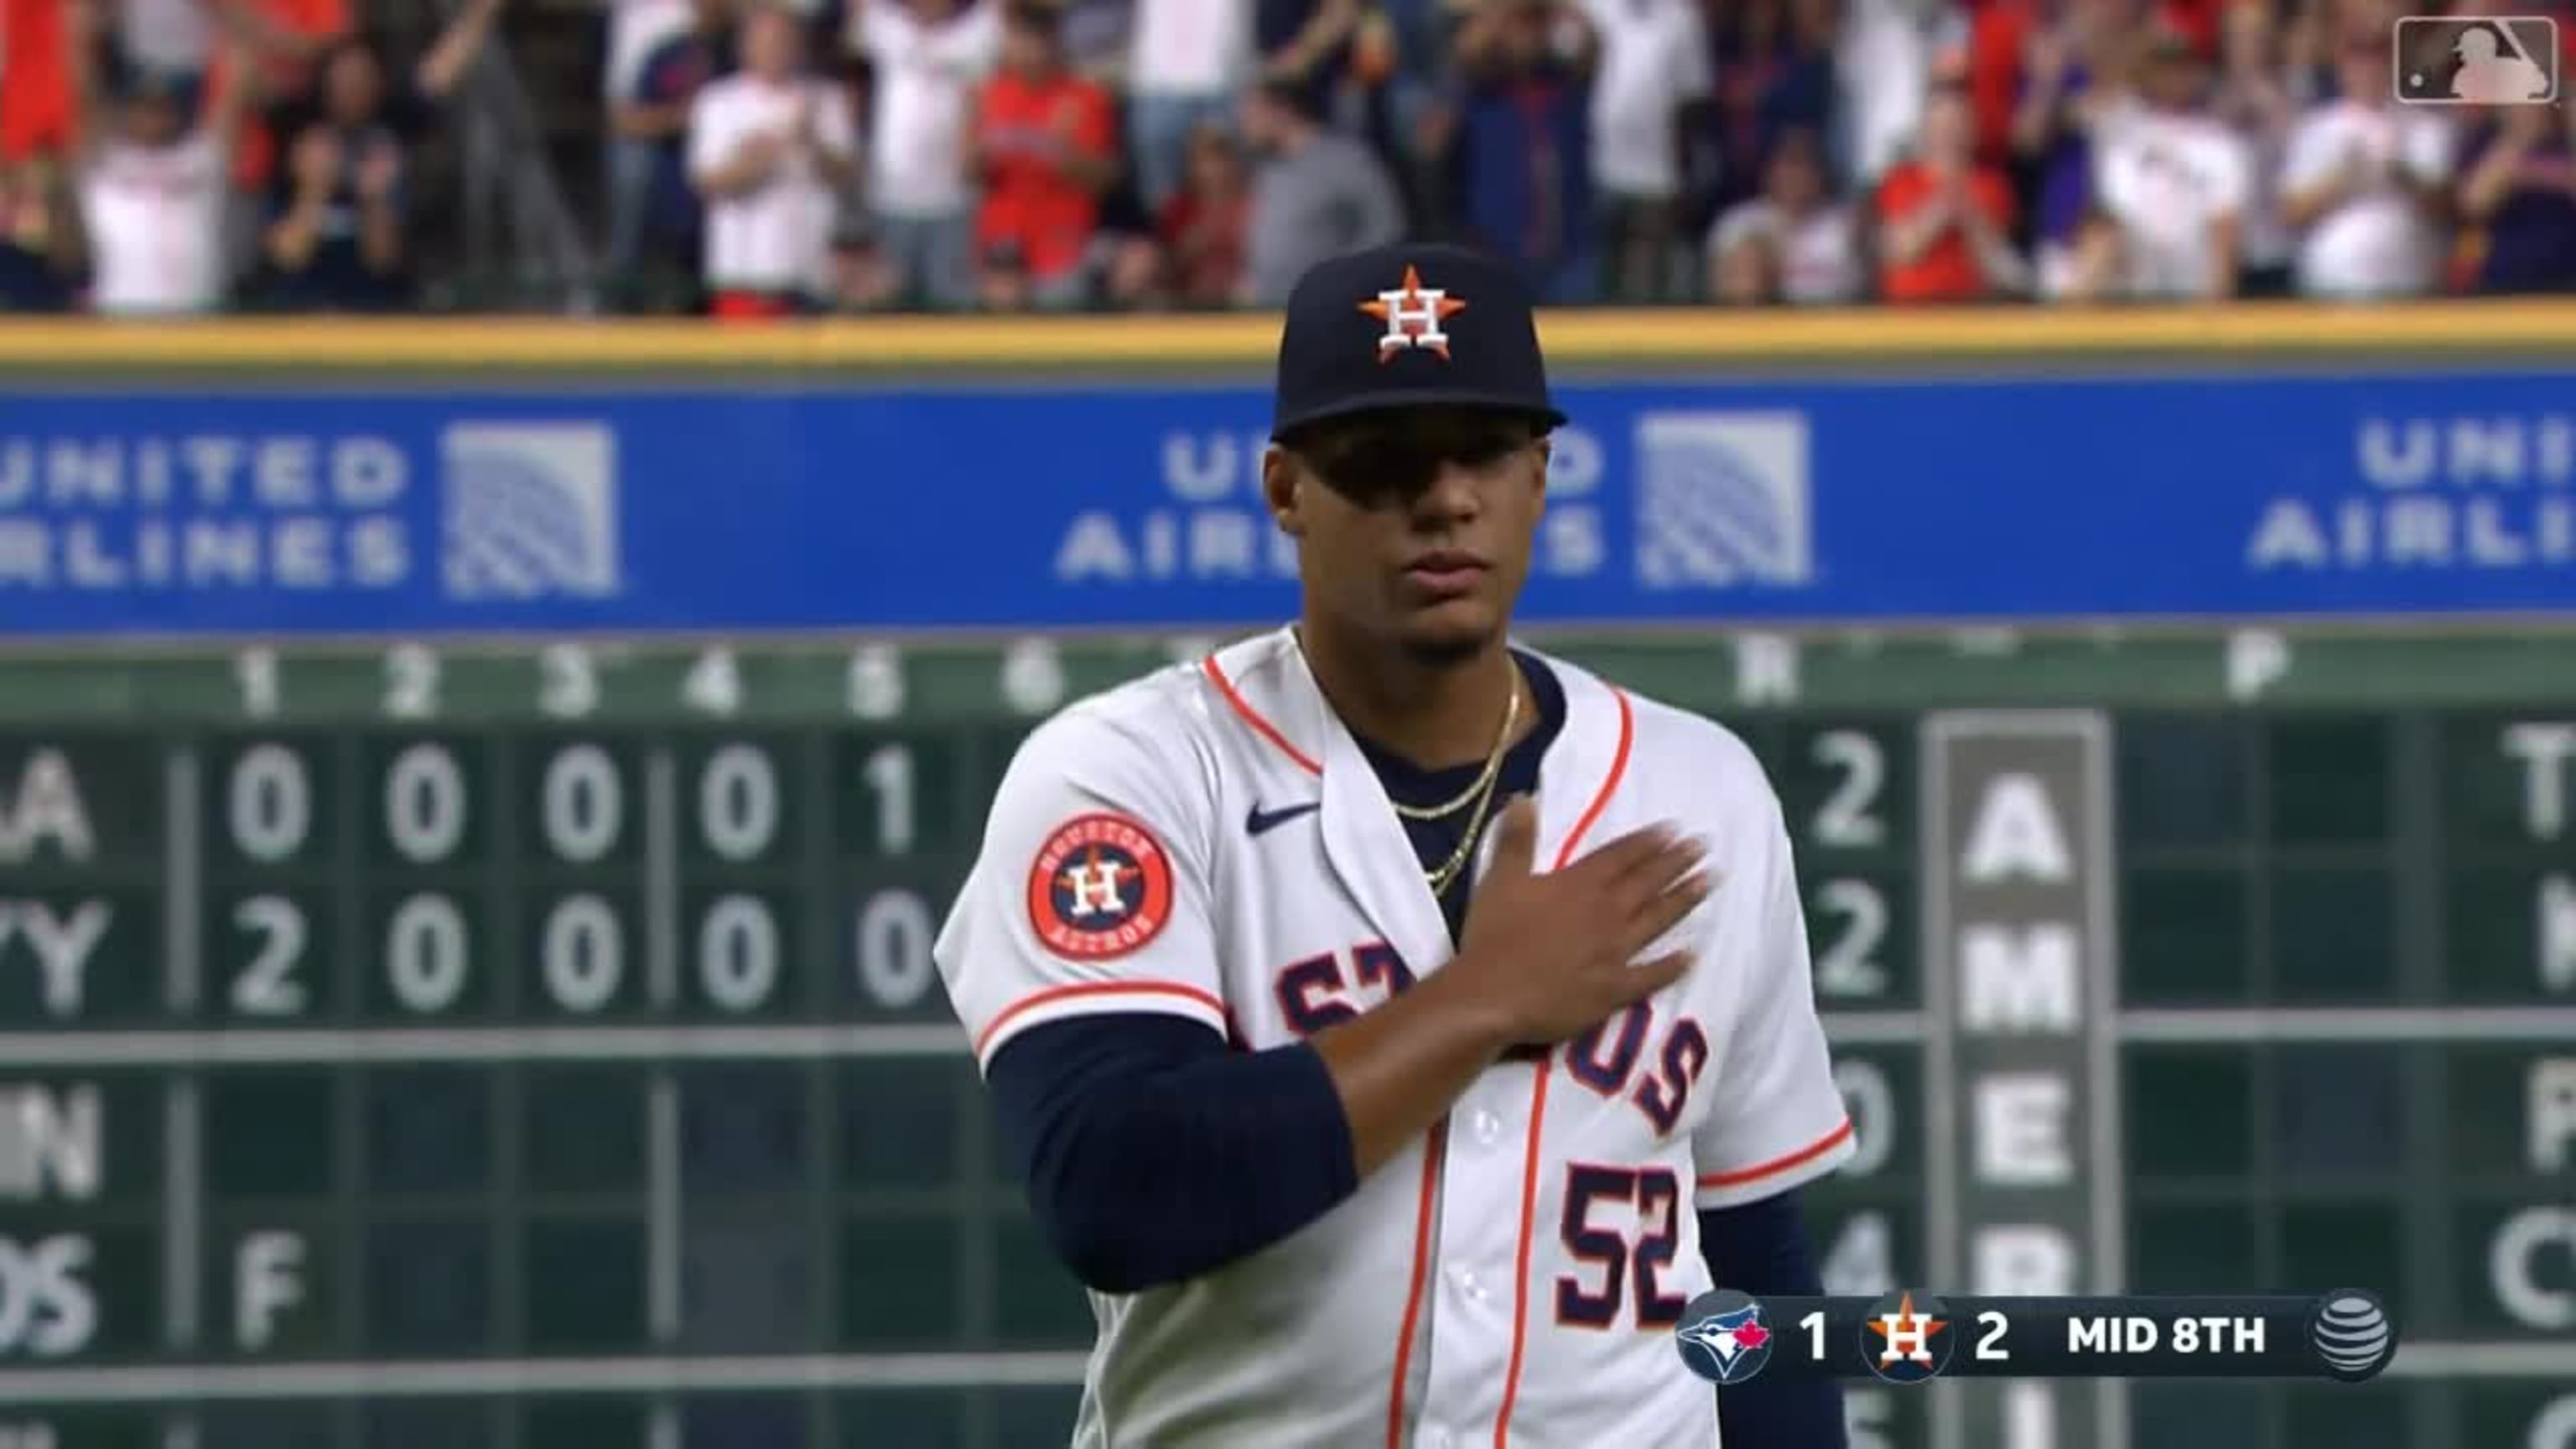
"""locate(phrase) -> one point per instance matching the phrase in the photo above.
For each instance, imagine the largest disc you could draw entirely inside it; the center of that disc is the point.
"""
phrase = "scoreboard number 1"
(889, 772)
(255, 675)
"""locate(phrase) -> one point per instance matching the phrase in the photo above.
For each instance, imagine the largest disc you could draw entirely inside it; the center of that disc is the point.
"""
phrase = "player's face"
(1414, 529)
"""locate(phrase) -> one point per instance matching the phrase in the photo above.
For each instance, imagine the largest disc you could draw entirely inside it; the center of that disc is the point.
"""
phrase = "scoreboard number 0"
(269, 807)
(583, 806)
(425, 804)
(894, 934)
(425, 959)
(583, 955)
(738, 954)
(738, 803)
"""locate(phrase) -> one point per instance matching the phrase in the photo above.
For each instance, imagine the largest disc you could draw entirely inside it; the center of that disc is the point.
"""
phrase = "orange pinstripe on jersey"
(1253, 717)
(1036, 999)
(1434, 1153)
(1538, 1096)
(1780, 1164)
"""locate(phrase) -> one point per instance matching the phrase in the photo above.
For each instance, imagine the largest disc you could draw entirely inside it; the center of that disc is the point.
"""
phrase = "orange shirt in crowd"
(1947, 270)
(1996, 38)
(1022, 128)
(35, 89)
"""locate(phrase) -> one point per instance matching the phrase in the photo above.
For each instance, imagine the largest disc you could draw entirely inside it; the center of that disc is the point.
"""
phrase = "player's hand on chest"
(1593, 965)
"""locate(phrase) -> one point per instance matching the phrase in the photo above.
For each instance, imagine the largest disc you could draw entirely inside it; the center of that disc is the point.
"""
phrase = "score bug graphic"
(1724, 1337)
(1907, 1337)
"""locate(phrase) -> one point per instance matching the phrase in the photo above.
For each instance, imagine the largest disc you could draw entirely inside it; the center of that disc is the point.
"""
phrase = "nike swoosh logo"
(1259, 821)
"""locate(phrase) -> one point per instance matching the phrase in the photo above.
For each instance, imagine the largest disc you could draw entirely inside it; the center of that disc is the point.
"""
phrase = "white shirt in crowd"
(2378, 241)
(921, 112)
(2167, 180)
(155, 221)
(1883, 56)
(1189, 47)
(1654, 60)
(777, 236)
(1817, 256)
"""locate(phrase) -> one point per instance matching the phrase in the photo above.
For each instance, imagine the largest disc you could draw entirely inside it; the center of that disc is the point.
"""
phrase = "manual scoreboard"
(456, 1047)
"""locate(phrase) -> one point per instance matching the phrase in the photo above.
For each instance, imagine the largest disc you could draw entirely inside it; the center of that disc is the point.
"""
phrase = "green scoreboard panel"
(446, 1048)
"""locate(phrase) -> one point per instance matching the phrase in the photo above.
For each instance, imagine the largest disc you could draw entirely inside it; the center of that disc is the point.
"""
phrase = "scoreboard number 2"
(1990, 1347)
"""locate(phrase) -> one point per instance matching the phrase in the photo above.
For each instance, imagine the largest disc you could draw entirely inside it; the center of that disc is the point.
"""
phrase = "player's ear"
(1280, 475)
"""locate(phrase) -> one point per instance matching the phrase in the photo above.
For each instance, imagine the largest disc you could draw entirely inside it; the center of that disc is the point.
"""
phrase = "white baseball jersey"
(1515, 1278)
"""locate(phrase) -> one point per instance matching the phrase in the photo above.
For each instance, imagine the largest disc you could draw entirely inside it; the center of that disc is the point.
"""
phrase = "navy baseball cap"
(1412, 325)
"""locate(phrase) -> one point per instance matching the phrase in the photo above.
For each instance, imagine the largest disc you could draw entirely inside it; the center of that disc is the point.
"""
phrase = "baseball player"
(1397, 1027)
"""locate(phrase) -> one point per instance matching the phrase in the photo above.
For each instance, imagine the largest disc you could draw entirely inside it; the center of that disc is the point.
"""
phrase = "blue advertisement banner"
(568, 510)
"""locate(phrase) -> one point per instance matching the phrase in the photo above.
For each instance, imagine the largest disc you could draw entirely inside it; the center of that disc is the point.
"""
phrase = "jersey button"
(1468, 1283)
(1487, 1127)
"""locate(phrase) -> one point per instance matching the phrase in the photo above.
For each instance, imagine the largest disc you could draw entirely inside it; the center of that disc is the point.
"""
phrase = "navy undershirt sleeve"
(1153, 1153)
(1762, 1248)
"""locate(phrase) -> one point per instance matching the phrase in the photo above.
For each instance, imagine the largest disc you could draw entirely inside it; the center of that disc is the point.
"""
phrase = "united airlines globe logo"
(2352, 1334)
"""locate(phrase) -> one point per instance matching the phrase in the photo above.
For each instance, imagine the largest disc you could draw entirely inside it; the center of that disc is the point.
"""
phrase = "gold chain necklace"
(1483, 793)
(1483, 782)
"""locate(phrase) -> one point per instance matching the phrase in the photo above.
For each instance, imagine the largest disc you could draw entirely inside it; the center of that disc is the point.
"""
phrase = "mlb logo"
(529, 511)
(1723, 501)
(2488, 60)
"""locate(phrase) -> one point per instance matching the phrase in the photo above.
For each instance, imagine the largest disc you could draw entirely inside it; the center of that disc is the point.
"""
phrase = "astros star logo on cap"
(1413, 314)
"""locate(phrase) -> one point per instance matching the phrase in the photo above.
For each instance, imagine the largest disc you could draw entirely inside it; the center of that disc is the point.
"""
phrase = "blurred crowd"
(770, 157)
(183, 156)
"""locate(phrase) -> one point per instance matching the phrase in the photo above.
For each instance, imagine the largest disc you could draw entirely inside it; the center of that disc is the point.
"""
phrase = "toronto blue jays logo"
(1722, 1337)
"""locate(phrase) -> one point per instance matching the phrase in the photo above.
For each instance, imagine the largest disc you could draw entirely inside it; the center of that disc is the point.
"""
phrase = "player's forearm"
(1154, 1155)
(1762, 1248)
(1400, 1068)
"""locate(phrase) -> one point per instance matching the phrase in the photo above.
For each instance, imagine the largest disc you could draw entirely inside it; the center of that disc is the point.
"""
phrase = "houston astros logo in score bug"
(1100, 887)
(1906, 1341)
(1722, 1337)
